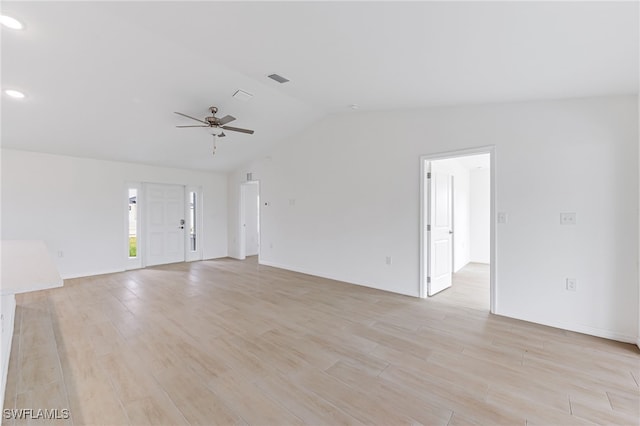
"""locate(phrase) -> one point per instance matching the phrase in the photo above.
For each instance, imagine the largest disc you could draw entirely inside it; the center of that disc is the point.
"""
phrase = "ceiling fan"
(216, 123)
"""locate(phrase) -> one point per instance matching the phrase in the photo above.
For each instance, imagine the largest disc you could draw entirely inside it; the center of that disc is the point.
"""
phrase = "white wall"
(76, 206)
(480, 215)
(356, 186)
(461, 209)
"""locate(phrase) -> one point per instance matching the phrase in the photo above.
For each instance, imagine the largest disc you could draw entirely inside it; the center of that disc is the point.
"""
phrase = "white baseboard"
(8, 319)
(578, 328)
(116, 270)
(90, 273)
(329, 277)
(216, 257)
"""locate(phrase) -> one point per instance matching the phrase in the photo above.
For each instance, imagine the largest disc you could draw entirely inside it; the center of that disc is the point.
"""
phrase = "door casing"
(493, 267)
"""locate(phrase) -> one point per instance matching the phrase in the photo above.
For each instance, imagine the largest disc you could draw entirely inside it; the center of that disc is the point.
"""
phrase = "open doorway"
(457, 252)
(250, 219)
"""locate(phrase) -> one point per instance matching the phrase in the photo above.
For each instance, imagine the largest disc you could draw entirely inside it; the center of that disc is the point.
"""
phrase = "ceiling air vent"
(280, 79)
(242, 95)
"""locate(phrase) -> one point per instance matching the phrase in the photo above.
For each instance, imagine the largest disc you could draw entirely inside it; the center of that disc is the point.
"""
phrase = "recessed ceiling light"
(10, 22)
(242, 95)
(14, 93)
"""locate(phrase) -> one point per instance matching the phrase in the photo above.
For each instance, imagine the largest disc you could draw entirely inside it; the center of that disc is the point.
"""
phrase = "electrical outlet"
(567, 218)
(572, 284)
(502, 217)
(388, 260)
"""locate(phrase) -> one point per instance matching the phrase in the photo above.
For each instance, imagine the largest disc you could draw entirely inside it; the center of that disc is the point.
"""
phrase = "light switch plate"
(568, 218)
(502, 217)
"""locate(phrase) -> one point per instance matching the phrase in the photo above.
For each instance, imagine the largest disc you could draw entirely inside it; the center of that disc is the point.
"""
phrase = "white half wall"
(356, 186)
(7, 313)
(76, 206)
(480, 215)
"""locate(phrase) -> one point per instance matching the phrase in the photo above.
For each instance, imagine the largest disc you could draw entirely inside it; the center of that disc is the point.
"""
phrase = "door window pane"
(133, 222)
(192, 221)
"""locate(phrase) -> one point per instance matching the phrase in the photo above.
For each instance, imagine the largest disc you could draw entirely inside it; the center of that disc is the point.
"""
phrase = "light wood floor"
(229, 342)
(471, 288)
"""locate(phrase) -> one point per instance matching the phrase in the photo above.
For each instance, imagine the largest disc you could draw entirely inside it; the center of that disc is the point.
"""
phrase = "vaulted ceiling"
(103, 79)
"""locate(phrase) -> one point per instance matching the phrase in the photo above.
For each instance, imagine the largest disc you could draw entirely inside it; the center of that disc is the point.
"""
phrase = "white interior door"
(252, 237)
(249, 219)
(439, 231)
(165, 224)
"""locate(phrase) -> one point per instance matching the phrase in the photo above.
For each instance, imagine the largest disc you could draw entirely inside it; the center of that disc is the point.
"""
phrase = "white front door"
(439, 231)
(165, 224)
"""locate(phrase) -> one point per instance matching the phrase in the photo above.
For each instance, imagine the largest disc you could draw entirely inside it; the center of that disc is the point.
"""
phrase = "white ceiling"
(103, 79)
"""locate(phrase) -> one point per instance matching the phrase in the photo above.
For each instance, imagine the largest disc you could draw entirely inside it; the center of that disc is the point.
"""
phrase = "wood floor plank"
(303, 402)
(197, 403)
(417, 406)
(550, 406)
(625, 403)
(366, 407)
(156, 409)
(454, 396)
(255, 405)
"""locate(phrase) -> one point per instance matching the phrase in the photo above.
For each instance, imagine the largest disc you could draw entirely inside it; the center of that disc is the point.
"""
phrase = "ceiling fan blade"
(193, 126)
(226, 119)
(197, 119)
(237, 129)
